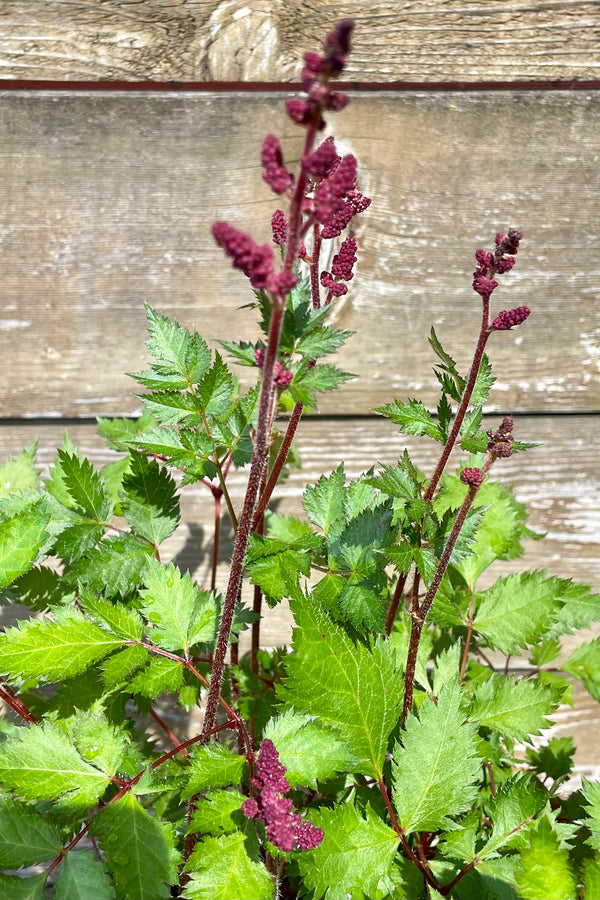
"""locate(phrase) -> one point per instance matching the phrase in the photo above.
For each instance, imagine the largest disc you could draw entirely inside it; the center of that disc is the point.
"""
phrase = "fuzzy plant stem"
(421, 610)
(484, 334)
(259, 460)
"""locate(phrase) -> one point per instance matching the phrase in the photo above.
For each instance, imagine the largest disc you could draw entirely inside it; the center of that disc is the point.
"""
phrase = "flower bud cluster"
(281, 377)
(341, 268)
(472, 477)
(285, 829)
(495, 263)
(256, 262)
(501, 440)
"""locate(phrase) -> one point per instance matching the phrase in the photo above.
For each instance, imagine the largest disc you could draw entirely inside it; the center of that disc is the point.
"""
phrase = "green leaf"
(243, 352)
(275, 566)
(216, 390)
(15, 888)
(591, 793)
(120, 433)
(49, 651)
(545, 870)
(19, 474)
(42, 587)
(26, 837)
(412, 417)
(324, 502)
(512, 812)
(182, 615)
(580, 606)
(310, 381)
(140, 850)
(355, 855)
(99, 742)
(213, 766)
(435, 773)
(21, 538)
(517, 709)
(483, 383)
(584, 664)
(121, 620)
(309, 752)
(122, 665)
(321, 341)
(160, 675)
(40, 763)
(591, 878)
(517, 610)
(149, 500)
(554, 759)
(84, 485)
(219, 813)
(81, 876)
(351, 687)
(223, 870)
(182, 358)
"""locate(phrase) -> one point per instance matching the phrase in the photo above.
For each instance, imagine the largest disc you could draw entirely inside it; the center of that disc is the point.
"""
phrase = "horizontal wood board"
(109, 198)
(560, 482)
(263, 40)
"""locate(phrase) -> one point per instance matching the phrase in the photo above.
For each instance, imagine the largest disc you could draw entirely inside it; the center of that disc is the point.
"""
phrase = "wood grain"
(108, 200)
(262, 40)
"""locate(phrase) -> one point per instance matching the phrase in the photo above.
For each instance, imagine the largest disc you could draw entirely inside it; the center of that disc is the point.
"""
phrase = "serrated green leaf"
(49, 651)
(517, 709)
(140, 850)
(82, 876)
(222, 870)
(182, 358)
(584, 664)
(26, 837)
(170, 407)
(544, 869)
(19, 474)
(309, 752)
(84, 485)
(122, 665)
(15, 888)
(216, 390)
(517, 610)
(160, 675)
(321, 341)
(220, 812)
(242, 351)
(435, 773)
(276, 567)
(182, 615)
(42, 587)
(213, 766)
(512, 812)
(120, 619)
(351, 687)
(40, 763)
(149, 499)
(554, 759)
(355, 854)
(113, 567)
(324, 502)
(98, 741)
(483, 383)
(580, 606)
(591, 793)
(120, 432)
(412, 417)
(591, 878)
(21, 539)
(308, 382)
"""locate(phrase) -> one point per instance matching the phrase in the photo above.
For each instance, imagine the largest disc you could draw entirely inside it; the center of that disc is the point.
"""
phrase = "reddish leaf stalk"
(420, 611)
(484, 334)
(423, 868)
(259, 460)
(465, 658)
(16, 704)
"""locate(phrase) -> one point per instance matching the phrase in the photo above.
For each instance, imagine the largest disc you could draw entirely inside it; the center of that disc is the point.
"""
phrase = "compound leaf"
(182, 615)
(222, 870)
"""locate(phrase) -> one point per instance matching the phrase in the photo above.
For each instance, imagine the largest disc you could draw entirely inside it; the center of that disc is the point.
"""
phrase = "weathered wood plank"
(233, 40)
(109, 198)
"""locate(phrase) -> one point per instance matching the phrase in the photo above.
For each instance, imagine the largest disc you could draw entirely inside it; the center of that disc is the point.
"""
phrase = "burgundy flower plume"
(285, 829)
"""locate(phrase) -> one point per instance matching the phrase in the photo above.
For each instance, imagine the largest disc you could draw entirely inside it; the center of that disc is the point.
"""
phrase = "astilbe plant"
(389, 752)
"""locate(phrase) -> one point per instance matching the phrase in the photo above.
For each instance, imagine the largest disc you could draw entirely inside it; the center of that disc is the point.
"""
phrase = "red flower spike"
(508, 318)
(285, 828)
(275, 173)
(472, 477)
(483, 285)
